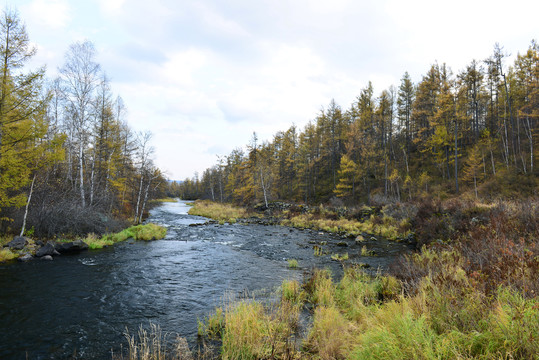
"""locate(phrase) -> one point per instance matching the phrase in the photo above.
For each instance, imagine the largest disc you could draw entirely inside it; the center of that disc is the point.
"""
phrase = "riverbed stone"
(71, 247)
(18, 243)
(46, 257)
(25, 258)
(48, 249)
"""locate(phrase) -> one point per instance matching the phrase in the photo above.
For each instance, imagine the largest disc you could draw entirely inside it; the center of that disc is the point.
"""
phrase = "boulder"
(47, 257)
(18, 243)
(48, 249)
(71, 247)
(25, 258)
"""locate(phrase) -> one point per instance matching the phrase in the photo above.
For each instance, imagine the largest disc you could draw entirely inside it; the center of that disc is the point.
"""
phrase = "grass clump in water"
(217, 211)
(340, 257)
(293, 263)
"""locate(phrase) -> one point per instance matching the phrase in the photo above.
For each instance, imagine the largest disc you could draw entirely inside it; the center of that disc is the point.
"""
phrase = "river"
(78, 306)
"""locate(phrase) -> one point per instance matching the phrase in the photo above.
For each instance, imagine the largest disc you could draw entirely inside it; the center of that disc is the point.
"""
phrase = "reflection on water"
(82, 304)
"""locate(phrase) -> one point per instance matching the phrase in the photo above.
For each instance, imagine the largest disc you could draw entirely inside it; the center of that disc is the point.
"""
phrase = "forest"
(69, 162)
(473, 132)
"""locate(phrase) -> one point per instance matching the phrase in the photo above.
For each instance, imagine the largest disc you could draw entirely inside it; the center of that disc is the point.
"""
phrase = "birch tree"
(80, 74)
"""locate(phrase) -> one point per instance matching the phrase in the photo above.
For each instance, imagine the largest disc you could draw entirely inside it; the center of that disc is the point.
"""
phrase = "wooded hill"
(476, 130)
(69, 163)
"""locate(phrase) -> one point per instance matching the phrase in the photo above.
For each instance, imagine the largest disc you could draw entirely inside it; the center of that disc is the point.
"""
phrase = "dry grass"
(384, 226)
(153, 344)
(217, 211)
(6, 255)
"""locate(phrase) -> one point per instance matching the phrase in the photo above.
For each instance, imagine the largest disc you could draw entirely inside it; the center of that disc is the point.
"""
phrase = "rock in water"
(47, 257)
(71, 247)
(18, 243)
(48, 249)
(25, 258)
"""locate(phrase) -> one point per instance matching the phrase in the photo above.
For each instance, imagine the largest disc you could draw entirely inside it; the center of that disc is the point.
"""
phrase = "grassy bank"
(474, 297)
(218, 211)
(448, 315)
(145, 232)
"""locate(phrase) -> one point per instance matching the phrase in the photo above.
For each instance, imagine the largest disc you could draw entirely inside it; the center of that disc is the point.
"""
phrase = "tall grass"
(366, 317)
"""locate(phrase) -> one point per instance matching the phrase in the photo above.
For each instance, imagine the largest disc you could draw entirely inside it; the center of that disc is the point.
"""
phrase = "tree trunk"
(456, 159)
(144, 201)
(264, 189)
(81, 173)
(27, 205)
(138, 199)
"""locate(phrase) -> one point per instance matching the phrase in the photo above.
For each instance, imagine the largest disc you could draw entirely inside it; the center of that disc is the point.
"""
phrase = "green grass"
(212, 326)
(293, 263)
(340, 257)
(145, 232)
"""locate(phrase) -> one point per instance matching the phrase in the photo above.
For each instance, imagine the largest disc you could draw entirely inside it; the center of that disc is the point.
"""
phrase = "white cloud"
(204, 74)
(54, 14)
(111, 7)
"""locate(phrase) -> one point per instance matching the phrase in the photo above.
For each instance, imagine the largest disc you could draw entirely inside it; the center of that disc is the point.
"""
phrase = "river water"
(79, 306)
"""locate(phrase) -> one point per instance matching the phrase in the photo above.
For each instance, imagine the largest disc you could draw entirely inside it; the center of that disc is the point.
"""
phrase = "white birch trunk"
(27, 206)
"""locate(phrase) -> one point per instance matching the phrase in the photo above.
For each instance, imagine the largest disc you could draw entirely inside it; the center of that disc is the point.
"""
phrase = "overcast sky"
(202, 75)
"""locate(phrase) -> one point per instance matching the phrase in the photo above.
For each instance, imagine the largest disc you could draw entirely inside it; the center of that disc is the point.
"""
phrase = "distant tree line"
(445, 132)
(69, 163)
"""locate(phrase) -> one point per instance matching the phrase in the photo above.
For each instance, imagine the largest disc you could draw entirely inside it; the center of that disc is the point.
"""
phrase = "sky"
(203, 75)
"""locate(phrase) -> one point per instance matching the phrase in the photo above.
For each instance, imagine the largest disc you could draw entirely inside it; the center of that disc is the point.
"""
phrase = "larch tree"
(23, 104)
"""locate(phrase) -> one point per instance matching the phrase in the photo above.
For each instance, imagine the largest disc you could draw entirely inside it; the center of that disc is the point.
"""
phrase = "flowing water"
(79, 306)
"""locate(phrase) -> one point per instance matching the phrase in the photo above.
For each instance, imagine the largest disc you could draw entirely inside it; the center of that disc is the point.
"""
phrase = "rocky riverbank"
(28, 249)
(25, 249)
